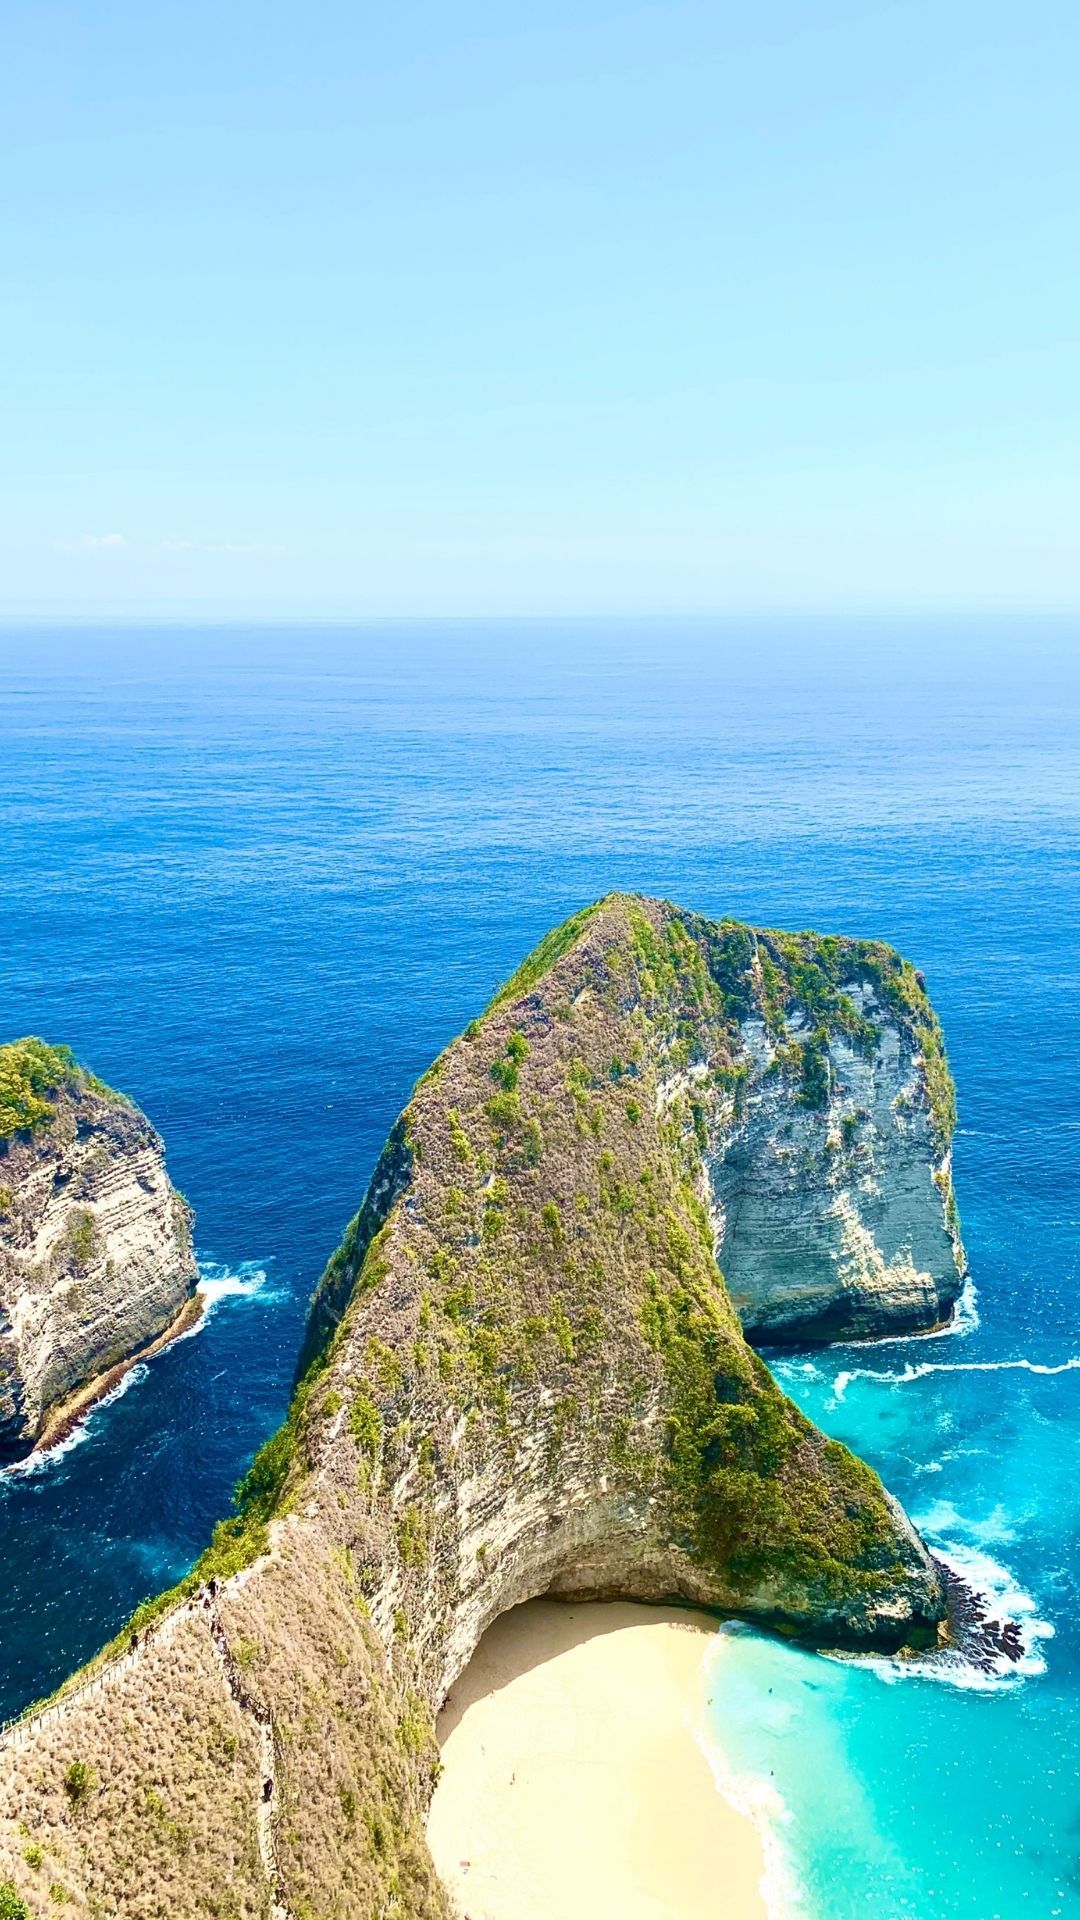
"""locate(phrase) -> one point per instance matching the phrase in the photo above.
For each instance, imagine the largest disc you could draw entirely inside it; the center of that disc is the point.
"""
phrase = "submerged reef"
(524, 1374)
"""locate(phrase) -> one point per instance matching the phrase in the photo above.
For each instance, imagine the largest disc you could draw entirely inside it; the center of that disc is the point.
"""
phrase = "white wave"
(942, 1520)
(911, 1372)
(993, 1672)
(798, 1369)
(758, 1801)
(963, 1320)
(218, 1282)
(48, 1456)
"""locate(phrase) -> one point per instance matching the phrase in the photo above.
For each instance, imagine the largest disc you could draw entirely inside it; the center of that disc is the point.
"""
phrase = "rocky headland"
(524, 1375)
(96, 1263)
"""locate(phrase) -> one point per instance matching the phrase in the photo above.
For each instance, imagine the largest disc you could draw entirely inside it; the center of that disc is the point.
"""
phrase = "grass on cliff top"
(543, 957)
(749, 965)
(31, 1074)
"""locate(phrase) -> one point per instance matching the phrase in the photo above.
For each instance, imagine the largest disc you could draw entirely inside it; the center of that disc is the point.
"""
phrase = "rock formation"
(834, 1209)
(523, 1375)
(95, 1245)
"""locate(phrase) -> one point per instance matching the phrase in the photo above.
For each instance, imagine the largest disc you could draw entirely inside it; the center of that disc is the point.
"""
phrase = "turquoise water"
(258, 879)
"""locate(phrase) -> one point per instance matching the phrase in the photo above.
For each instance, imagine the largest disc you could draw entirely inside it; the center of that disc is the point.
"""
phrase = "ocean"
(258, 877)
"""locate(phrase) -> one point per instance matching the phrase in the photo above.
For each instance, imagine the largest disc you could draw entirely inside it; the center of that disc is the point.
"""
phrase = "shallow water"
(258, 879)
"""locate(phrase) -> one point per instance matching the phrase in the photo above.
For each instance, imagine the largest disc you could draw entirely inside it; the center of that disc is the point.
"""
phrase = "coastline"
(62, 1419)
(576, 1777)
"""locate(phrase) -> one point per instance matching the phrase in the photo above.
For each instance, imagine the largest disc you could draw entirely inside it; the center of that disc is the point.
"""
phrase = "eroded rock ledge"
(95, 1244)
(524, 1375)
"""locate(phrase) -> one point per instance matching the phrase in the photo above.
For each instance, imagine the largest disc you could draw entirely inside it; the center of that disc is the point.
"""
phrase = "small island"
(525, 1376)
(96, 1265)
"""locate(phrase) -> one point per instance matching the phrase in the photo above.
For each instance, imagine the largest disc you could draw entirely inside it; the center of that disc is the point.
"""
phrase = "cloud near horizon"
(210, 546)
(92, 543)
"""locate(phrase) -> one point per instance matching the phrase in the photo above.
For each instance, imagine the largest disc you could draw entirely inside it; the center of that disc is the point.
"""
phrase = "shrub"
(80, 1781)
(365, 1425)
(459, 1139)
(504, 1111)
(12, 1907)
(412, 1537)
(814, 1091)
(30, 1071)
(551, 1218)
(82, 1236)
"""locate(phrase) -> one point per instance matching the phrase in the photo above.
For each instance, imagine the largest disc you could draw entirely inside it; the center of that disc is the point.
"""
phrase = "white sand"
(573, 1787)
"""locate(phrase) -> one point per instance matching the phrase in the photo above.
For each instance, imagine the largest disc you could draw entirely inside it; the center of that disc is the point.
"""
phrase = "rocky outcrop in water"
(524, 1375)
(95, 1245)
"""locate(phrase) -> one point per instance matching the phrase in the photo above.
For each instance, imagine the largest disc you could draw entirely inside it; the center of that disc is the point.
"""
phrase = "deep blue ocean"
(258, 878)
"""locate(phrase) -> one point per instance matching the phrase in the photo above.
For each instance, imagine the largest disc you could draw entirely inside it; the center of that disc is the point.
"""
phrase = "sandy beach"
(573, 1786)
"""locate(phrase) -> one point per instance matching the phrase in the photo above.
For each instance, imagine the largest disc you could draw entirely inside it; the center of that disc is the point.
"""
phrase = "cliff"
(831, 1171)
(524, 1375)
(95, 1245)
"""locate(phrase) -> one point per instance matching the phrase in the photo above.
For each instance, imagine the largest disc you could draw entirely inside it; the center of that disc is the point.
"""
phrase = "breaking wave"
(759, 1801)
(49, 1456)
(911, 1372)
(996, 1624)
(217, 1282)
(220, 1282)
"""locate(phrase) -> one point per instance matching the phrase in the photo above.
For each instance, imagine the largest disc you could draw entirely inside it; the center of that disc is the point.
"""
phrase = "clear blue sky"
(581, 307)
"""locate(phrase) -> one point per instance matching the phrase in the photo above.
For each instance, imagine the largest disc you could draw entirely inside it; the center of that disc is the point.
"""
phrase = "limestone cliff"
(524, 1375)
(830, 1169)
(95, 1245)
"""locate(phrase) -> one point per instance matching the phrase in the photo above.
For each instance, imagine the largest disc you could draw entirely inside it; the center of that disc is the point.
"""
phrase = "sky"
(469, 308)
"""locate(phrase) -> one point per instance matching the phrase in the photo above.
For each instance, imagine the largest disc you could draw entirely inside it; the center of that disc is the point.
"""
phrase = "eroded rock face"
(836, 1221)
(524, 1375)
(95, 1244)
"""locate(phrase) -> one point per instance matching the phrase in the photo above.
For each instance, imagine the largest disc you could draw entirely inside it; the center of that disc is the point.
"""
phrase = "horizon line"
(201, 616)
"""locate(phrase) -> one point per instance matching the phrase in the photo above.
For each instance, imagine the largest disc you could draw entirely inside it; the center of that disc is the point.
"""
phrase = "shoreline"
(66, 1415)
(576, 1773)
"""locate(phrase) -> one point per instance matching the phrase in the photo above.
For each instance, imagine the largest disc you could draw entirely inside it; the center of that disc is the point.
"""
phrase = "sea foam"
(49, 1456)
(217, 1282)
(843, 1380)
(977, 1663)
(758, 1800)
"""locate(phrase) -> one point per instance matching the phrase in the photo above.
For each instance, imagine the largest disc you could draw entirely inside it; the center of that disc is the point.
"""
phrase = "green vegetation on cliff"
(557, 1230)
(557, 1215)
(31, 1075)
(30, 1071)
